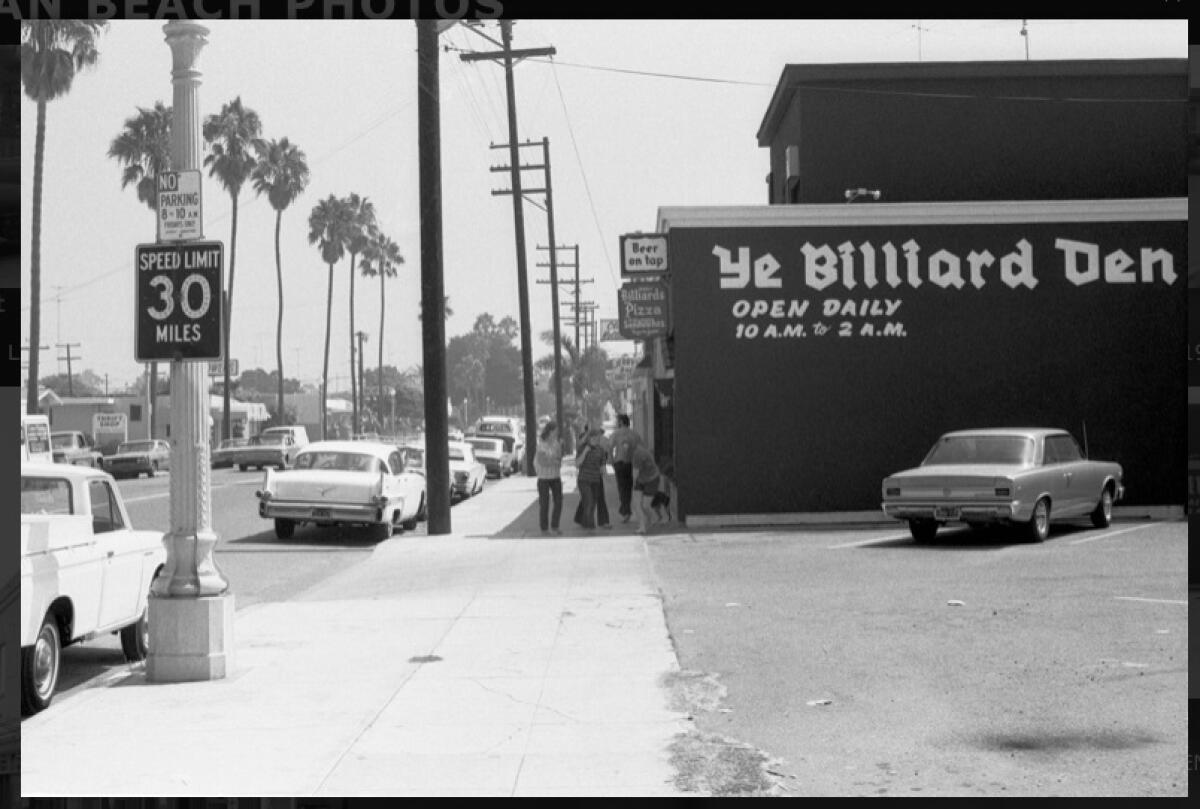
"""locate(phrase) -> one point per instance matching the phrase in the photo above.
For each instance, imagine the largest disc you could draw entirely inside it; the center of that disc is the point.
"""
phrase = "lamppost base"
(190, 638)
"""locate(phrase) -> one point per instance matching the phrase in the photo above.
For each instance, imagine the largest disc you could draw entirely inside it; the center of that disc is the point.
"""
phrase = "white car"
(84, 571)
(466, 472)
(344, 483)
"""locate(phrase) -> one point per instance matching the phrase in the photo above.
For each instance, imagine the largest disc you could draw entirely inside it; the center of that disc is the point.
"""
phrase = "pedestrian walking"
(648, 482)
(589, 463)
(547, 462)
(624, 439)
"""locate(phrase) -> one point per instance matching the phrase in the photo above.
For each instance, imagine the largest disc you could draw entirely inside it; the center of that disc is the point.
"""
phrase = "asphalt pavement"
(493, 661)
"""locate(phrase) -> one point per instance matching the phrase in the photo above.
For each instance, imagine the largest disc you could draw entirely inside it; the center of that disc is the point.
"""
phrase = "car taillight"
(892, 491)
(262, 495)
(1003, 491)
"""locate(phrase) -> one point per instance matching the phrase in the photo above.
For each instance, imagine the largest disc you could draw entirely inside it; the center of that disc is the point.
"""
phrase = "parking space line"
(1151, 600)
(1111, 534)
(869, 541)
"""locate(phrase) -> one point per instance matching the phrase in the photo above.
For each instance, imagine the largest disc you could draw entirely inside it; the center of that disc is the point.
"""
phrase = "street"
(259, 566)
(829, 661)
(858, 663)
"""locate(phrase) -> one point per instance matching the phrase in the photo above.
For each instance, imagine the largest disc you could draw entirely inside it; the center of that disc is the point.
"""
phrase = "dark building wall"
(1121, 132)
(816, 418)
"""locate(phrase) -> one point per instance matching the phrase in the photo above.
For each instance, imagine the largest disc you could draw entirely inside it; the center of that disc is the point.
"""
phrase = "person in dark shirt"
(589, 463)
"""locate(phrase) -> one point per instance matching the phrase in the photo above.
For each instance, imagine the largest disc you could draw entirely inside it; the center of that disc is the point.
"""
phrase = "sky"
(639, 114)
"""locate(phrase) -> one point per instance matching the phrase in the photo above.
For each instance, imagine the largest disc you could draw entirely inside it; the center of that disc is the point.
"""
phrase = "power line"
(586, 186)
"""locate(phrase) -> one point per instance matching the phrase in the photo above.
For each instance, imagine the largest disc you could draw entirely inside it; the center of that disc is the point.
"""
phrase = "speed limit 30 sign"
(178, 294)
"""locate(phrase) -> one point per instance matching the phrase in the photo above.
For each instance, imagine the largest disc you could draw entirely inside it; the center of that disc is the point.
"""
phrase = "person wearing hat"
(589, 463)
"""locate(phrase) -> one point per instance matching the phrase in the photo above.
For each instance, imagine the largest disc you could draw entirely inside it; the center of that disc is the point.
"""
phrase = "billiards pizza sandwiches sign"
(643, 310)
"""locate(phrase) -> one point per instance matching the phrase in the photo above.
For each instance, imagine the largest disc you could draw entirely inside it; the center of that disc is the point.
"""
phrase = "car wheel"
(387, 529)
(135, 638)
(411, 524)
(923, 530)
(1038, 527)
(40, 667)
(241, 467)
(1102, 514)
(421, 513)
(284, 529)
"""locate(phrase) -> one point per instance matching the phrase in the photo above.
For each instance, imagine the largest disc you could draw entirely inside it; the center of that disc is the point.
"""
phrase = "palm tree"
(52, 52)
(381, 258)
(358, 238)
(232, 138)
(327, 226)
(282, 174)
(144, 149)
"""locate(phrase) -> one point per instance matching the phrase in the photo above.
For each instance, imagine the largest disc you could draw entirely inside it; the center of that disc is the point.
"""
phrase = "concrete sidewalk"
(489, 662)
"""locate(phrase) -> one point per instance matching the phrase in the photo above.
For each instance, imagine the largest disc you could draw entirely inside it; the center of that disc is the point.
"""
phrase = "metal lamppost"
(190, 608)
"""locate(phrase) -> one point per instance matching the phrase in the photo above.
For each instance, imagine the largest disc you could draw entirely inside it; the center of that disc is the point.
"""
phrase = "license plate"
(320, 512)
(946, 513)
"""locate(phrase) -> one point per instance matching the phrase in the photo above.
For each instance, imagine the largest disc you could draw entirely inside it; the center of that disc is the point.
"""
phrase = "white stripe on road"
(1111, 534)
(167, 493)
(1150, 600)
(870, 541)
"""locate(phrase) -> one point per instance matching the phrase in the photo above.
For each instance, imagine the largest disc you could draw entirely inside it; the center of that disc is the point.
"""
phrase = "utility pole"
(433, 316)
(919, 30)
(361, 335)
(191, 607)
(547, 189)
(1025, 35)
(32, 398)
(507, 55)
(68, 358)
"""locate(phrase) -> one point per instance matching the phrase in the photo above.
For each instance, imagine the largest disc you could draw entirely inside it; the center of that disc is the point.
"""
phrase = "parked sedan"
(132, 458)
(344, 483)
(493, 454)
(228, 450)
(466, 472)
(275, 449)
(1024, 477)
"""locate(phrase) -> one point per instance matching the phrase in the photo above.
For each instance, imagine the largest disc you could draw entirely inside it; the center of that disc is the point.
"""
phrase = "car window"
(46, 496)
(106, 516)
(1061, 449)
(396, 462)
(456, 454)
(974, 449)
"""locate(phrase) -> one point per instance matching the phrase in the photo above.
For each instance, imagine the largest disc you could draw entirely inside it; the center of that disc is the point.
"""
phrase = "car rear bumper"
(957, 512)
(321, 512)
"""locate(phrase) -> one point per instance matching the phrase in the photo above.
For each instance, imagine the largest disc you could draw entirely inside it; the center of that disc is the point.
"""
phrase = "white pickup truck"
(84, 571)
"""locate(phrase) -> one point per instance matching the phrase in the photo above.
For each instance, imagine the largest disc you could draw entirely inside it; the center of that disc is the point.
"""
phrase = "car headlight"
(892, 491)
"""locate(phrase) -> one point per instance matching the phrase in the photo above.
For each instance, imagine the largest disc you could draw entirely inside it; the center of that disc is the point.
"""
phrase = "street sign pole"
(191, 608)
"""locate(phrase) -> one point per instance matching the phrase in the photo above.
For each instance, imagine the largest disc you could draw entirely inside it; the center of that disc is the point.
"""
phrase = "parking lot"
(859, 663)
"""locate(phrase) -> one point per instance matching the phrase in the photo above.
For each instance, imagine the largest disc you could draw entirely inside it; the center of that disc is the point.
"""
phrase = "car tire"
(1038, 527)
(923, 531)
(241, 467)
(284, 529)
(1102, 514)
(411, 524)
(387, 529)
(135, 638)
(422, 514)
(40, 665)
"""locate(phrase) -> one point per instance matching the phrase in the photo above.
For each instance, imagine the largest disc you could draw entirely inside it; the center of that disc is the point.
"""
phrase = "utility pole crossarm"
(512, 53)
